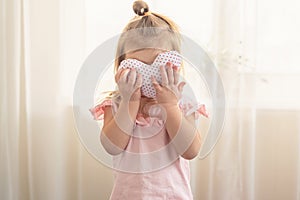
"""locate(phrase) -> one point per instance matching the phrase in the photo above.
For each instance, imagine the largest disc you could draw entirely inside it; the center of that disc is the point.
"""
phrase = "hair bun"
(140, 7)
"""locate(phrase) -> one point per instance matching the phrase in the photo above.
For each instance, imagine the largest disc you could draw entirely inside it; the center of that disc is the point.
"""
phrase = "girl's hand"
(129, 84)
(169, 92)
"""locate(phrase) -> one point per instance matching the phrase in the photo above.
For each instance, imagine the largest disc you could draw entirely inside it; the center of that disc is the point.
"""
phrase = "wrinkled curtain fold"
(227, 174)
(13, 128)
(42, 48)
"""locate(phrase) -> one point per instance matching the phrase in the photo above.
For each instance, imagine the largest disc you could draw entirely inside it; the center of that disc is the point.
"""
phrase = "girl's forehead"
(145, 51)
(145, 55)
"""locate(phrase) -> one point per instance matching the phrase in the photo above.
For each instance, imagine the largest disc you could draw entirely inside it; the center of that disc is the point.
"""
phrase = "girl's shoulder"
(187, 106)
(98, 110)
(190, 106)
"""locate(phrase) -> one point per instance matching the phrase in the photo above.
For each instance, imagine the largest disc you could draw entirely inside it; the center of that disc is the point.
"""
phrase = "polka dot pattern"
(152, 70)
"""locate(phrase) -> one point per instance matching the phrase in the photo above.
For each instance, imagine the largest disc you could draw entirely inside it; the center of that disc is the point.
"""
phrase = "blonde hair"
(147, 30)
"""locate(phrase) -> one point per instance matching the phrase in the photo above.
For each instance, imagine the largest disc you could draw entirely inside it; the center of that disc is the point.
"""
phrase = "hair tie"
(147, 13)
(144, 12)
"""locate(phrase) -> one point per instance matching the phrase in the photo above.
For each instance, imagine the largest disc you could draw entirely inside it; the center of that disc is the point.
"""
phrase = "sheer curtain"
(257, 157)
(253, 43)
(43, 45)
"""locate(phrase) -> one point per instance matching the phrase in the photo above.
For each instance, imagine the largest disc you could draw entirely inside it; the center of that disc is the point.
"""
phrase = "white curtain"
(258, 155)
(253, 43)
(42, 48)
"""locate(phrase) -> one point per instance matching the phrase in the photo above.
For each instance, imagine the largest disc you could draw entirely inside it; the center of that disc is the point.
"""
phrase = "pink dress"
(149, 168)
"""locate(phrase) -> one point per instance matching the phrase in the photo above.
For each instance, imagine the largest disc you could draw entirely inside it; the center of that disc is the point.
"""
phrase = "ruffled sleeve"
(98, 110)
(189, 107)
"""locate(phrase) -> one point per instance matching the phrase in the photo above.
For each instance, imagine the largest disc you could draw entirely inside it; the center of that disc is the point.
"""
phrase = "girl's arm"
(117, 128)
(182, 130)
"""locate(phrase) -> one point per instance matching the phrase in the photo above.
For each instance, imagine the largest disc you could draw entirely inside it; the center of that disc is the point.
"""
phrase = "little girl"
(149, 127)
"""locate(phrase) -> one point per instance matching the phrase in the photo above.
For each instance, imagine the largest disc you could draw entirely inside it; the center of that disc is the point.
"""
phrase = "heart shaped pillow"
(152, 70)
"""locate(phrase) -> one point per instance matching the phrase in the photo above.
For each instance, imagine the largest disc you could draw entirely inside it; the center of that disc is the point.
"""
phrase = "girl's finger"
(176, 75)
(170, 73)
(124, 75)
(119, 73)
(132, 77)
(164, 77)
(139, 81)
(156, 85)
(180, 86)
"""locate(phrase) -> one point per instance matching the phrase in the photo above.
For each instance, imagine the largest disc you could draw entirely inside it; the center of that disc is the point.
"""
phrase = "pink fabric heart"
(152, 70)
